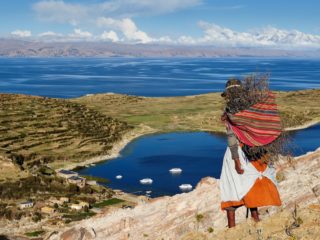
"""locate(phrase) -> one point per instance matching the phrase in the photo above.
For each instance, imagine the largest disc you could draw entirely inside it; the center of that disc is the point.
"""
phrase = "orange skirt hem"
(263, 193)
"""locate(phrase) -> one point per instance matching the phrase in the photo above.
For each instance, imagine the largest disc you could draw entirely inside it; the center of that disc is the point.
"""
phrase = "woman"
(252, 123)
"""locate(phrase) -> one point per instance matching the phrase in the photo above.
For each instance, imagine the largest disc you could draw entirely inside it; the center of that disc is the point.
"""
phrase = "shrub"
(36, 217)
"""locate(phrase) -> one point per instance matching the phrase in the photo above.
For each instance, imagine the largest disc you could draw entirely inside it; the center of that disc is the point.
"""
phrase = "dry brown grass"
(272, 227)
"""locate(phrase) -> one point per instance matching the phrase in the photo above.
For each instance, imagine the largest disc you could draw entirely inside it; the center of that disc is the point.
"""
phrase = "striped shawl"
(259, 125)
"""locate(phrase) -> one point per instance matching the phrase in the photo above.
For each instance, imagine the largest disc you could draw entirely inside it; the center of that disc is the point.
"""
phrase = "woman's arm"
(233, 146)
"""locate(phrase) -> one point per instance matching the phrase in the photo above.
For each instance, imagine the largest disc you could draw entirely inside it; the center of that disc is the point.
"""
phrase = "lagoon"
(198, 154)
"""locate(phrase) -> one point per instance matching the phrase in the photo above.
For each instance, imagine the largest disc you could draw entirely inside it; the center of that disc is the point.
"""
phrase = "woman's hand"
(224, 117)
(238, 166)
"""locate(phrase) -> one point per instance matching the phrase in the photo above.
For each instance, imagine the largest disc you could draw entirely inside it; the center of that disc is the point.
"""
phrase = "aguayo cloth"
(259, 125)
(234, 187)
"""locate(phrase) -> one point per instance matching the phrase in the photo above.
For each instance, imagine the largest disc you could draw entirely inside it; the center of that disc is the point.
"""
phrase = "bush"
(107, 202)
(37, 217)
(35, 233)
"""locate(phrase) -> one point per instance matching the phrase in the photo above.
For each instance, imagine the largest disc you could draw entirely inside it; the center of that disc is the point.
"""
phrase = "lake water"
(74, 77)
(198, 154)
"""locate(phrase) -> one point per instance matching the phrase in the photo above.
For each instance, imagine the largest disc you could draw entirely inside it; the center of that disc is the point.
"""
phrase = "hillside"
(20, 48)
(38, 130)
(66, 133)
(197, 214)
(196, 113)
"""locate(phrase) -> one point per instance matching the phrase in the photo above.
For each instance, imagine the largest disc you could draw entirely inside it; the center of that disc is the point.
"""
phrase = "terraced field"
(37, 130)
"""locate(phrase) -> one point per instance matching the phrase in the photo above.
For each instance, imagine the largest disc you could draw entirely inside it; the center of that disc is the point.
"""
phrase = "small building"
(92, 182)
(118, 192)
(76, 206)
(61, 201)
(84, 204)
(96, 210)
(64, 200)
(66, 173)
(53, 201)
(79, 181)
(47, 210)
(27, 204)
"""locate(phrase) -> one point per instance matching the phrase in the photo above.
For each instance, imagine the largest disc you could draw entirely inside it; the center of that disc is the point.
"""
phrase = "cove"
(198, 154)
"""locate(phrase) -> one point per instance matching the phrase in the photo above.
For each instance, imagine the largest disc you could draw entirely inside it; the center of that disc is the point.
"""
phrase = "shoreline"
(115, 152)
(142, 131)
(116, 149)
(303, 126)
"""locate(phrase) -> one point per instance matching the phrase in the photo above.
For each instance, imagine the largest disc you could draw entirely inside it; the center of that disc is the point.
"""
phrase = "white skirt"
(234, 186)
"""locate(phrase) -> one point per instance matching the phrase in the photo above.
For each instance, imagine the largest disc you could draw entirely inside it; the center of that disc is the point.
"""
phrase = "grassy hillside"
(37, 129)
(299, 107)
(200, 112)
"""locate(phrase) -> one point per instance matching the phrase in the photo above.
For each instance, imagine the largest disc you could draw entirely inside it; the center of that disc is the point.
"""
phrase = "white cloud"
(49, 34)
(131, 8)
(164, 39)
(21, 33)
(62, 12)
(127, 27)
(78, 34)
(116, 23)
(109, 36)
(119, 12)
(186, 40)
(285, 37)
(214, 34)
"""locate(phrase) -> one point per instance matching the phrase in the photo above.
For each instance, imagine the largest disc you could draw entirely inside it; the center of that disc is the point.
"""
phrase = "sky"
(272, 23)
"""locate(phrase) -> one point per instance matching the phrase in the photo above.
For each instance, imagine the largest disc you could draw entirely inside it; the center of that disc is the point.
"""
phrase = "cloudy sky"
(272, 23)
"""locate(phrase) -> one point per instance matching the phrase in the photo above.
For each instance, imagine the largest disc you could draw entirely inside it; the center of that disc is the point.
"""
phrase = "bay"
(198, 154)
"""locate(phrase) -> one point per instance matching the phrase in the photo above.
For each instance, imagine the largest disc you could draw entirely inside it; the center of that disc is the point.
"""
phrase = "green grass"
(161, 114)
(35, 233)
(98, 179)
(78, 216)
(196, 113)
(108, 202)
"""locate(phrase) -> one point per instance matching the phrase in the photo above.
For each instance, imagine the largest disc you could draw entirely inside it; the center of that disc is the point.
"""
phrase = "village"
(39, 214)
(53, 204)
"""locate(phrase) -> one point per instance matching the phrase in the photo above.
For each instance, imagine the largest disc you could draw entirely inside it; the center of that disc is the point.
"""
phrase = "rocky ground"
(197, 214)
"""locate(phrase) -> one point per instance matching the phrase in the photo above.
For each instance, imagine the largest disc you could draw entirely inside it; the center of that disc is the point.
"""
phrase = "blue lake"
(198, 154)
(74, 77)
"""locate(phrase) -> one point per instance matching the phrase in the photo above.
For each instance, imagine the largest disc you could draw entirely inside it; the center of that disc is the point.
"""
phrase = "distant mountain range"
(20, 48)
